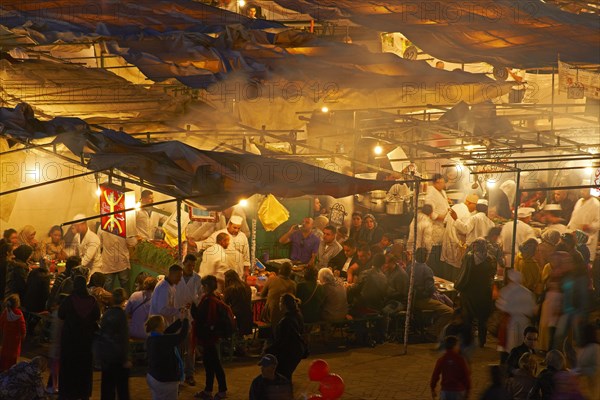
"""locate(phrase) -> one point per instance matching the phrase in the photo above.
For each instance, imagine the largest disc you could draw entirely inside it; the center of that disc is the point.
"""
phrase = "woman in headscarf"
(27, 237)
(475, 286)
(550, 239)
(519, 303)
(370, 232)
(560, 263)
(288, 345)
(525, 263)
(581, 239)
(80, 314)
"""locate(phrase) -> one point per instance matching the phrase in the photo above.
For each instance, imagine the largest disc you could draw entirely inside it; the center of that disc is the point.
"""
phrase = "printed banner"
(578, 83)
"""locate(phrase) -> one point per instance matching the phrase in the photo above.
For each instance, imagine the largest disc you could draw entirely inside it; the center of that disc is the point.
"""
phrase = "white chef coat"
(214, 262)
(524, 232)
(115, 253)
(89, 251)
(146, 223)
(474, 227)
(163, 301)
(453, 242)
(424, 229)
(188, 292)
(587, 213)
(439, 201)
(238, 251)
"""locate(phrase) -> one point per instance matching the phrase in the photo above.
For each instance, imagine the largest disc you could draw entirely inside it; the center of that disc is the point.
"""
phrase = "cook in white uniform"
(586, 217)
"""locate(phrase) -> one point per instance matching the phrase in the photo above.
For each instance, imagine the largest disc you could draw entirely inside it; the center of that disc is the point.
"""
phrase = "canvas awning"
(215, 180)
(508, 33)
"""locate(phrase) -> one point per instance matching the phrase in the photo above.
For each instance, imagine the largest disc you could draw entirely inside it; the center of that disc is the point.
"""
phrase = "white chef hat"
(236, 220)
(525, 212)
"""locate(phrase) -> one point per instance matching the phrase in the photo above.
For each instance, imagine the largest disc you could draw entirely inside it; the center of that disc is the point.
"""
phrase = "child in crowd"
(12, 329)
(456, 380)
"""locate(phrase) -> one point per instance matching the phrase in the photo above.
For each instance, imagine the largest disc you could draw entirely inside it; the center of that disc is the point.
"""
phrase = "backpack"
(223, 327)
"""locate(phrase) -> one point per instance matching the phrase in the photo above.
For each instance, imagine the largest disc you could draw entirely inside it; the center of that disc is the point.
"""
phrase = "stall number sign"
(112, 200)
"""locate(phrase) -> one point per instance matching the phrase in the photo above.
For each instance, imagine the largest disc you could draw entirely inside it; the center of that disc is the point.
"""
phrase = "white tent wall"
(51, 204)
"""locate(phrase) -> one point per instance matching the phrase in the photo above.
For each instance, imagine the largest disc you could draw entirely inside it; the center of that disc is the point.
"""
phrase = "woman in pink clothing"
(12, 328)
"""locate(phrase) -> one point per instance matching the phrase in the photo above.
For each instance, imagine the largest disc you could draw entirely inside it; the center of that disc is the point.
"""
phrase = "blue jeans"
(452, 395)
(122, 276)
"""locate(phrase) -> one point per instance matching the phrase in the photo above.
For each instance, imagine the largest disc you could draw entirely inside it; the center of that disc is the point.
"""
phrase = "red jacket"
(12, 328)
(455, 373)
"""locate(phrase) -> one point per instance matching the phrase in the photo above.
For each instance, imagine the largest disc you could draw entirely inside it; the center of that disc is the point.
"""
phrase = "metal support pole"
(37, 185)
(411, 282)
(552, 107)
(179, 245)
(515, 219)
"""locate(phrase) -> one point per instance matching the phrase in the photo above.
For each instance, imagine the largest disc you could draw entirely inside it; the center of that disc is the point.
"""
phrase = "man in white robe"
(586, 217)
(436, 197)
(214, 259)
(453, 242)
(147, 219)
(424, 229)
(524, 232)
(238, 251)
(477, 225)
(88, 246)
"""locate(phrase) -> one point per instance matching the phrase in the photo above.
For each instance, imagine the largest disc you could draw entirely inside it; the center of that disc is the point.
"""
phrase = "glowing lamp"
(378, 150)
(243, 203)
(324, 109)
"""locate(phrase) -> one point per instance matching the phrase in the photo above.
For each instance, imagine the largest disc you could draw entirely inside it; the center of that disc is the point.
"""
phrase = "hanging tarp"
(214, 179)
(518, 34)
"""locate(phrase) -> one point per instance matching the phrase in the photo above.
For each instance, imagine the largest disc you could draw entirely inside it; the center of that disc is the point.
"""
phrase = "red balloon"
(332, 387)
(318, 370)
(315, 397)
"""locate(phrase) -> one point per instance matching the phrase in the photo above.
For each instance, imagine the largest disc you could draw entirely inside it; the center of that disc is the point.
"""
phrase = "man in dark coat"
(475, 286)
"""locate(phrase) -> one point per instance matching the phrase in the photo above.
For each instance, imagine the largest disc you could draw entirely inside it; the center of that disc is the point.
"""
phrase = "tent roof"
(500, 32)
(212, 179)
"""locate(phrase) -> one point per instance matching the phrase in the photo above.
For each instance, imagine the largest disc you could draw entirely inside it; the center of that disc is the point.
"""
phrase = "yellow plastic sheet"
(272, 213)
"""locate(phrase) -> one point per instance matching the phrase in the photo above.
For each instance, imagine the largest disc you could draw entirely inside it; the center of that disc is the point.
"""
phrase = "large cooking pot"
(377, 205)
(378, 194)
(395, 207)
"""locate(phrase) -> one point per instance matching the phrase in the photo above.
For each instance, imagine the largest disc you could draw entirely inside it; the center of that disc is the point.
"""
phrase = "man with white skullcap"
(524, 232)
(238, 251)
(477, 225)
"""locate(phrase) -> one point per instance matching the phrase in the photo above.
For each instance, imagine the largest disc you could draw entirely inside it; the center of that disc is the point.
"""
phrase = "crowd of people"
(547, 292)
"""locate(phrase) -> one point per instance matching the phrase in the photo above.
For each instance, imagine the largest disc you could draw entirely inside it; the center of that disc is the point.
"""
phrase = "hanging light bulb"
(241, 3)
(324, 109)
(378, 149)
(98, 191)
(243, 203)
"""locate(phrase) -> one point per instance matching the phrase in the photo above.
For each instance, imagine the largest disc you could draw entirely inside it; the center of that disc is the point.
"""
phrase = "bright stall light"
(98, 191)
(241, 3)
(491, 183)
(470, 147)
(243, 203)
(378, 149)
(324, 109)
